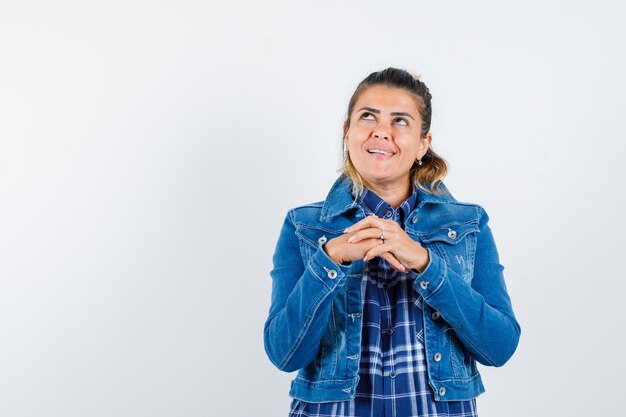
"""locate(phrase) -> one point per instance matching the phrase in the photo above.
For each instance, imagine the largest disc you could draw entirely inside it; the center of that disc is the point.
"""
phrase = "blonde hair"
(429, 175)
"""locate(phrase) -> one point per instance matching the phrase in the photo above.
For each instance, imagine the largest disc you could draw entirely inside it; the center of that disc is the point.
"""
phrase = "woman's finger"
(380, 250)
(371, 221)
(377, 250)
(369, 233)
(393, 261)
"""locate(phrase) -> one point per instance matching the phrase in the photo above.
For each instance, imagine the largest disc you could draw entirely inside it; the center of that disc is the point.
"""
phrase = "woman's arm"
(301, 300)
(480, 312)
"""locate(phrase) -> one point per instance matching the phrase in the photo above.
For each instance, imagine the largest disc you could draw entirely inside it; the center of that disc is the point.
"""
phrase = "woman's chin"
(384, 180)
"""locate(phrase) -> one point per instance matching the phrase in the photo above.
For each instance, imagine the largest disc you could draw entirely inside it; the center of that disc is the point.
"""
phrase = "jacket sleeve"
(480, 313)
(302, 296)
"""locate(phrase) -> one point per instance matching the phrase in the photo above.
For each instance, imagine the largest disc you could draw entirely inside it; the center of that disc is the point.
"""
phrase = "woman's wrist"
(328, 248)
(423, 260)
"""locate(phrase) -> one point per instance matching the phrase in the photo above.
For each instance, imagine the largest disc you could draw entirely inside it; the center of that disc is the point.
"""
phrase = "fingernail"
(365, 259)
(346, 230)
(351, 239)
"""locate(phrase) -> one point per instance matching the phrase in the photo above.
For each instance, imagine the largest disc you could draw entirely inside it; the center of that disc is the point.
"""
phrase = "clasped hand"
(372, 237)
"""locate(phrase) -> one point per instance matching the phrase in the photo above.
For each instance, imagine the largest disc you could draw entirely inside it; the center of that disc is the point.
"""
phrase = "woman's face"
(383, 137)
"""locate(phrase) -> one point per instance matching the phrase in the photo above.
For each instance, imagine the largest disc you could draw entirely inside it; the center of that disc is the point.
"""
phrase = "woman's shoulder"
(338, 198)
(446, 195)
(314, 206)
(445, 204)
(305, 212)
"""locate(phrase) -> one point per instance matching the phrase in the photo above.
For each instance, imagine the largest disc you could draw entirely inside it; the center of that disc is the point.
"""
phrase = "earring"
(418, 161)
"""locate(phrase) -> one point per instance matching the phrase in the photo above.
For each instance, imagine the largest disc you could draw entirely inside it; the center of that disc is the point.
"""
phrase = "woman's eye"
(401, 122)
(367, 116)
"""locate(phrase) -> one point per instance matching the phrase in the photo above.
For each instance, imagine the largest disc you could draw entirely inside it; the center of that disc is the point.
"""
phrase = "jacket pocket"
(456, 244)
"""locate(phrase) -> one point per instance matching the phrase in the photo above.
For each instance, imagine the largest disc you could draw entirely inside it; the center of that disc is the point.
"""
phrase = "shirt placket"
(388, 328)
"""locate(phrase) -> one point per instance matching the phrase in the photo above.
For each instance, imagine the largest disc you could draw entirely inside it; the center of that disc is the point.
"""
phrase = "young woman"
(386, 293)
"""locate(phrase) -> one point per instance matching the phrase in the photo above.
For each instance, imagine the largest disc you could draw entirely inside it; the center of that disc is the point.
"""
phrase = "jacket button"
(424, 284)
(332, 274)
(322, 240)
(414, 219)
(437, 357)
(452, 234)
(442, 391)
(436, 315)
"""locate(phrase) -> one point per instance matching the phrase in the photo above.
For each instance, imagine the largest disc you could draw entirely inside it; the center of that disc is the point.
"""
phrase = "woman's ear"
(345, 129)
(425, 144)
(428, 140)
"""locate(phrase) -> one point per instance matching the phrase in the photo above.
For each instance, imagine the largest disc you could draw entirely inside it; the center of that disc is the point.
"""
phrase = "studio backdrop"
(149, 152)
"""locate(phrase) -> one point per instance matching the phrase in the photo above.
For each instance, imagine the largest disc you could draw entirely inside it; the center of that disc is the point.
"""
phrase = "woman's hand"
(393, 244)
(342, 252)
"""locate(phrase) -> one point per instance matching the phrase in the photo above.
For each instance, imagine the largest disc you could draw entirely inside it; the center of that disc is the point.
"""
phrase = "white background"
(150, 150)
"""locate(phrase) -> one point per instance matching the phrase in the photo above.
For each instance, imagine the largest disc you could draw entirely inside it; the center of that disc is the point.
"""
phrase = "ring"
(382, 234)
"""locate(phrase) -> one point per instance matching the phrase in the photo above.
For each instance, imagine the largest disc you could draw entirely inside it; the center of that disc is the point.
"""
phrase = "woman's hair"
(427, 176)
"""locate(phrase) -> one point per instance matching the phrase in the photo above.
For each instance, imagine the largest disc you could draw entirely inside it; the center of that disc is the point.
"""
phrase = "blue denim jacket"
(314, 322)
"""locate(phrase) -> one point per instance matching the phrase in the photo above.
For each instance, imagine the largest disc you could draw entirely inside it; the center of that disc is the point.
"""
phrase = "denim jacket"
(314, 321)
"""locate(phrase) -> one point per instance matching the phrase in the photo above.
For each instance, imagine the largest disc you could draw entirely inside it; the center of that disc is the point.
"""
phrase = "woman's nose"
(381, 134)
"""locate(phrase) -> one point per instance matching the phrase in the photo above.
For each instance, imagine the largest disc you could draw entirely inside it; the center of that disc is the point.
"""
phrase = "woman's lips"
(380, 154)
(381, 157)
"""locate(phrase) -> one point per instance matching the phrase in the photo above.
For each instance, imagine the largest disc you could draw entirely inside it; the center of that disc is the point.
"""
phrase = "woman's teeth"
(380, 151)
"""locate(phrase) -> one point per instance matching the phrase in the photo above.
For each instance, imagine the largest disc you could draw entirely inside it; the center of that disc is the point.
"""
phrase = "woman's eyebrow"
(401, 113)
(395, 113)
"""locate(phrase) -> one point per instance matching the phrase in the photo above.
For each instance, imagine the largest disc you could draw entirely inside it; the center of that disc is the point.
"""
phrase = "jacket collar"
(340, 199)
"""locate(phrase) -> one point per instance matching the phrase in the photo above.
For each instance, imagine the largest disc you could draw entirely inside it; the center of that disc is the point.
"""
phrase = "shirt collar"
(340, 199)
(381, 208)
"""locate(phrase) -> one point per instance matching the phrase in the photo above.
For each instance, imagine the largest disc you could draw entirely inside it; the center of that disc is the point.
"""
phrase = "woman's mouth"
(380, 153)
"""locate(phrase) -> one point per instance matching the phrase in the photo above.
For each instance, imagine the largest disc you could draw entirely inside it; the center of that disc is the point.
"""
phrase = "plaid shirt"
(393, 378)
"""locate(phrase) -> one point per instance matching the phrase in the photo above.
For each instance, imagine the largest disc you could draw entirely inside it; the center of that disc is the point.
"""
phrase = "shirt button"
(451, 234)
(442, 391)
(388, 331)
(332, 274)
(424, 284)
(388, 214)
(437, 357)
(392, 374)
(436, 315)
(414, 219)
(322, 240)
